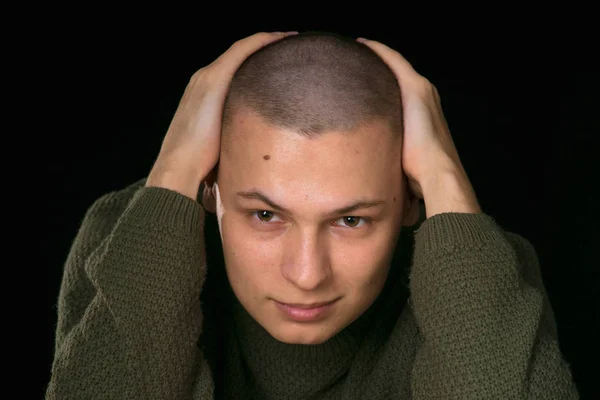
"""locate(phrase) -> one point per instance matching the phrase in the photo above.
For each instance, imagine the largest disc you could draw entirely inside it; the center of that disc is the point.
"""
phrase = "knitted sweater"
(145, 312)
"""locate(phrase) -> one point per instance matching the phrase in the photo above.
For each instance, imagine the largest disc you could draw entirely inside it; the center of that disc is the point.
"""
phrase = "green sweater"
(145, 312)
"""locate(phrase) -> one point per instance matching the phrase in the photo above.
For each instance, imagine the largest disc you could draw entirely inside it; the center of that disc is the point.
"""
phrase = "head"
(311, 194)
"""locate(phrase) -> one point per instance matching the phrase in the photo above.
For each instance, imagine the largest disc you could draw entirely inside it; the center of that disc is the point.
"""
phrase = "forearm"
(139, 334)
(154, 262)
(488, 331)
(449, 191)
(177, 179)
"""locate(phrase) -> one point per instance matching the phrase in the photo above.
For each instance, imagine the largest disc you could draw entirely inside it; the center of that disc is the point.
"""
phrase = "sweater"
(145, 311)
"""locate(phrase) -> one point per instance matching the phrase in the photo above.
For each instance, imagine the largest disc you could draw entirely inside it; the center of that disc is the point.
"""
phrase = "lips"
(307, 306)
(306, 312)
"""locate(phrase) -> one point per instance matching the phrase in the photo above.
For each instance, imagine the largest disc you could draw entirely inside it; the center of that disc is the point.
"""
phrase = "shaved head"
(310, 184)
(315, 82)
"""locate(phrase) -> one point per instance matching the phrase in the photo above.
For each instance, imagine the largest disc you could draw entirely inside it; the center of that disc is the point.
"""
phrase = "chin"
(307, 335)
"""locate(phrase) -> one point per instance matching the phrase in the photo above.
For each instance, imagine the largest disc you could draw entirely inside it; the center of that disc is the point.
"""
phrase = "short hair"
(316, 82)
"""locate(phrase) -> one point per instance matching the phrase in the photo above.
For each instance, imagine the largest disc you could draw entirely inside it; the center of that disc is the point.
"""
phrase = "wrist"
(450, 192)
(185, 183)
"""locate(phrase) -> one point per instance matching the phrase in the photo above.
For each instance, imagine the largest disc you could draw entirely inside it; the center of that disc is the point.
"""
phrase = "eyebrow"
(257, 195)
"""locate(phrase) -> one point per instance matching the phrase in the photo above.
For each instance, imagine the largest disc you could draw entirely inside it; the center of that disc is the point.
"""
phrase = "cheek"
(364, 265)
(248, 260)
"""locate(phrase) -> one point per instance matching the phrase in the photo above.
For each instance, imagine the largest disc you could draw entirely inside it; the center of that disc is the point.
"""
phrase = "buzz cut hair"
(315, 82)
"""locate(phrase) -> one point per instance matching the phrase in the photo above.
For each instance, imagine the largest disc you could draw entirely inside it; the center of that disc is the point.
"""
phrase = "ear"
(209, 197)
(411, 210)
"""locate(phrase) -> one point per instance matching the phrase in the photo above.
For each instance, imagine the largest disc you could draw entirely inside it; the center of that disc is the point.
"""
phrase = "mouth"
(306, 312)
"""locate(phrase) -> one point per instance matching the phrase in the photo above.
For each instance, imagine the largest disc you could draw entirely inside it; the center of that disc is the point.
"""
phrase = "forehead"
(364, 162)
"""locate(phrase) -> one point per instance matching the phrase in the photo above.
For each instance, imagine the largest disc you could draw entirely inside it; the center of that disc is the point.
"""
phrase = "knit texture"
(145, 312)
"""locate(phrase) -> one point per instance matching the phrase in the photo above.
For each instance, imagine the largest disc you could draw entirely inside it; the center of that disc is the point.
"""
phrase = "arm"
(482, 309)
(129, 316)
(478, 298)
(129, 309)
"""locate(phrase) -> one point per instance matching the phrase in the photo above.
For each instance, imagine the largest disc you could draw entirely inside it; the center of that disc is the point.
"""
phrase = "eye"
(265, 216)
(351, 222)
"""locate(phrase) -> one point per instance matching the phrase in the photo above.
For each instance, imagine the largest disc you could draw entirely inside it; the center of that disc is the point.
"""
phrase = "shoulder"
(522, 246)
(114, 201)
(526, 257)
(117, 198)
(104, 212)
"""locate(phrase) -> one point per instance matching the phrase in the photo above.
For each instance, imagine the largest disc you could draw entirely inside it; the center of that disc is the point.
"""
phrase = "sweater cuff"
(451, 230)
(459, 257)
(153, 265)
(165, 208)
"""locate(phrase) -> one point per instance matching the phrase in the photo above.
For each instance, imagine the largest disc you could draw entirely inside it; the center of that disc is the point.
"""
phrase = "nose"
(306, 263)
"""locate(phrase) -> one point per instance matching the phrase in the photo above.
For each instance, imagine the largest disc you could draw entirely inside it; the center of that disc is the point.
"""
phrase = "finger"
(402, 68)
(212, 176)
(208, 200)
(242, 49)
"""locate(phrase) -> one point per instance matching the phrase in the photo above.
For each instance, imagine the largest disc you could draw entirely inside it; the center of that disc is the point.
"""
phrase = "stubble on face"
(303, 255)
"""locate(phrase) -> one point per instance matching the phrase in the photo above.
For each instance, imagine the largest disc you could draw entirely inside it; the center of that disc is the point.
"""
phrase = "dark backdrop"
(517, 96)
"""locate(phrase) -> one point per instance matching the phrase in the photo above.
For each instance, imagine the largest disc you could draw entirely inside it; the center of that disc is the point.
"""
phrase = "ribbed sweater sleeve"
(481, 307)
(129, 316)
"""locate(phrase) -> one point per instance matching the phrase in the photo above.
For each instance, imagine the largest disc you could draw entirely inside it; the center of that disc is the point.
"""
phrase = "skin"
(309, 252)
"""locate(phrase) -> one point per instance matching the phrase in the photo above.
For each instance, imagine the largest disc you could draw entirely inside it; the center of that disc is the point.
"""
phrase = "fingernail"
(291, 33)
(361, 40)
(277, 33)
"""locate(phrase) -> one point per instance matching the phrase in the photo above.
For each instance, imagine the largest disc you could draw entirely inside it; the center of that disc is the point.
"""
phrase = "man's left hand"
(429, 157)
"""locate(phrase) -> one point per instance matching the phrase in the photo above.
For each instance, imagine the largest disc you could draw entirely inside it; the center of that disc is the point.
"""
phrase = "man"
(315, 151)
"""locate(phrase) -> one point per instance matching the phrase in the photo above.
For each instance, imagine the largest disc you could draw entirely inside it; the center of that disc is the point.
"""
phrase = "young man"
(316, 151)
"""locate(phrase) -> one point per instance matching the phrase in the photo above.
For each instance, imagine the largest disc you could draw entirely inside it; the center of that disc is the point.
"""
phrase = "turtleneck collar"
(296, 367)
(276, 369)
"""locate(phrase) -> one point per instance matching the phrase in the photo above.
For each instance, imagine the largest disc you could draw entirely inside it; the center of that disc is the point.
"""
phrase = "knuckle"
(206, 75)
(196, 76)
(236, 44)
(260, 36)
(424, 86)
(420, 84)
(263, 35)
(425, 83)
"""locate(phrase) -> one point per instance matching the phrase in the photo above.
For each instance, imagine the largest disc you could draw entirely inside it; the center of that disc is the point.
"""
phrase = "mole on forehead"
(267, 157)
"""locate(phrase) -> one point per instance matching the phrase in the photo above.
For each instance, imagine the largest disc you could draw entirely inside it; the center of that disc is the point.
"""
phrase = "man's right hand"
(190, 149)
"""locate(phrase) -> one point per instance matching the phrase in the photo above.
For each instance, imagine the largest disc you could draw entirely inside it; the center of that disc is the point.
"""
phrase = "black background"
(517, 94)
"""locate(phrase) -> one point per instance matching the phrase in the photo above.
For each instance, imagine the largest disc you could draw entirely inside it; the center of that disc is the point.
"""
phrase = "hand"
(190, 149)
(429, 157)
